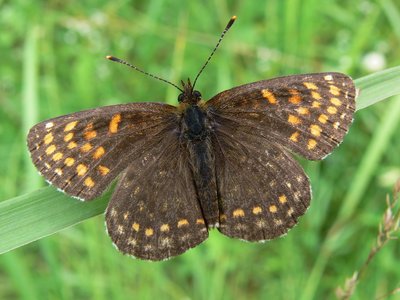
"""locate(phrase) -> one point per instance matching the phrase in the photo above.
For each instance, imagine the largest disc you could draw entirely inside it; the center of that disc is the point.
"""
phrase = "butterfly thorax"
(194, 118)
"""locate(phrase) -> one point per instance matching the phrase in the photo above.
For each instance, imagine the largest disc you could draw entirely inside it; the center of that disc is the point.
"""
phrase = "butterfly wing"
(307, 114)
(262, 189)
(83, 152)
(154, 213)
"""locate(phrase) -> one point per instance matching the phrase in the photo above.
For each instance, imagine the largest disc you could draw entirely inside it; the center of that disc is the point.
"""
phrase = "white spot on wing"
(49, 125)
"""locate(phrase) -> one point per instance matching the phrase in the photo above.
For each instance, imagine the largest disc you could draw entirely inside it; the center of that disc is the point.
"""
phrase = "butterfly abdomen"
(197, 137)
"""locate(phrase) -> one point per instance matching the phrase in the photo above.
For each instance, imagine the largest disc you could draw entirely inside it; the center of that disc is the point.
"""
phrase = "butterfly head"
(189, 95)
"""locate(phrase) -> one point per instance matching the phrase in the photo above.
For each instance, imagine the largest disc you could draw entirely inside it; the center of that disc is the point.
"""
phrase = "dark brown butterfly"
(224, 163)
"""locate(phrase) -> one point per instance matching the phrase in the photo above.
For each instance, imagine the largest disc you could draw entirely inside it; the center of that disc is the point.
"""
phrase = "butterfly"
(225, 163)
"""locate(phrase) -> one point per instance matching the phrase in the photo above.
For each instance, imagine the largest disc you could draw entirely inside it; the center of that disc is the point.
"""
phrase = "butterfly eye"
(197, 94)
(181, 97)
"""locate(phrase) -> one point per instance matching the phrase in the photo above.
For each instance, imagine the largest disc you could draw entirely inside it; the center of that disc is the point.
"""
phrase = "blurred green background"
(53, 64)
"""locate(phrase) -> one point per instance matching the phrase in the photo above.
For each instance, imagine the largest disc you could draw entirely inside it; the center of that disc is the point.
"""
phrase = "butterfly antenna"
(118, 60)
(231, 21)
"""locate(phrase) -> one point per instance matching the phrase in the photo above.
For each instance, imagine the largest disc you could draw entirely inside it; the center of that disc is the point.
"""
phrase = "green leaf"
(33, 216)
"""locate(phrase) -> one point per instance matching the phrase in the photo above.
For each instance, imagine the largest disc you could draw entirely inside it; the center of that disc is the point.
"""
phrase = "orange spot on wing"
(48, 138)
(70, 126)
(316, 95)
(68, 136)
(149, 232)
(98, 153)
(293, 120)
(316, 104)
(50, 149)
(295, 97)
(69, 161)
(294, 136)
(183, 222)
(135, 226)
(57, 156)
(303, 110)
(90, 134)
(103, 170)
(86, 147)
(332, 110)
(81, 169)
(238, 213)
(164, 228)
(323, 118)
(257, 210)
(282, 199)
(311, 144)
(72, 145)
(334, 90)
(310, 85)
(273, 209)
(336, 101)
(113, 126)
(89, 182)
(267, 94)
(315, 130)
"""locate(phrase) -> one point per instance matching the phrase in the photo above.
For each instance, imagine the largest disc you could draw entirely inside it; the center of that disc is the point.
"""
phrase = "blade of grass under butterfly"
(43, 212)
(30, 217)
(377, 87)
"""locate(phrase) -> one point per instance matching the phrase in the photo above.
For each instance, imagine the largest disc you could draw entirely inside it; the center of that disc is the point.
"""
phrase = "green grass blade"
(30, 99)
(378, 86)
(43, 212)
(30, 217)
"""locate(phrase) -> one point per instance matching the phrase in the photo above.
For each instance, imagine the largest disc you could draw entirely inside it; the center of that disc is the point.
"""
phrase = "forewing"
(154, 213)
(308, 114)
(83, 152)
(262, 189)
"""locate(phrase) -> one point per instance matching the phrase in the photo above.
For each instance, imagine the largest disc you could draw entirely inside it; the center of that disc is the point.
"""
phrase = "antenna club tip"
(231, 21)
(111, 57)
